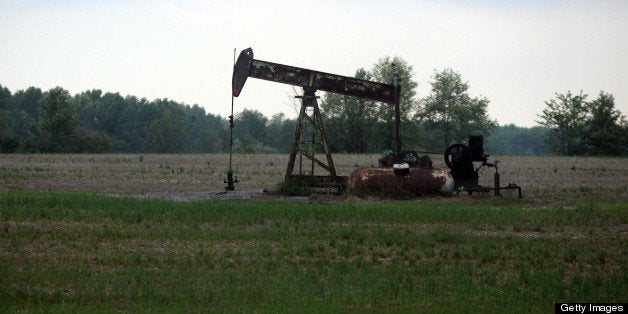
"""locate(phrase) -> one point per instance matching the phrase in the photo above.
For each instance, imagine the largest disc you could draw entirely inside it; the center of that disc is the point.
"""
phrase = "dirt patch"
(201, 176)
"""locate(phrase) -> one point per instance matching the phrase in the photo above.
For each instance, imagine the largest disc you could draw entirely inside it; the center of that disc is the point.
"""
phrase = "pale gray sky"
(518, 54)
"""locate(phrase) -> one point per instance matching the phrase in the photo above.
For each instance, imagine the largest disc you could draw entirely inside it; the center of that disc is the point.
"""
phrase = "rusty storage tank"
(410, 181)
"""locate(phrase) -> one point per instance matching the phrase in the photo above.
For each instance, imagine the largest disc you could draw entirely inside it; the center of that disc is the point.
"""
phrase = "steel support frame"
(319, 138)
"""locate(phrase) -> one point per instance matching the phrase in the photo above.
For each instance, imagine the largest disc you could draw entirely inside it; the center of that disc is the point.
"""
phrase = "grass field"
(66, 244)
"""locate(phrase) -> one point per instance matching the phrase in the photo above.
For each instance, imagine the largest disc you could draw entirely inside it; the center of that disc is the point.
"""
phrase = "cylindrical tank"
(418, 181)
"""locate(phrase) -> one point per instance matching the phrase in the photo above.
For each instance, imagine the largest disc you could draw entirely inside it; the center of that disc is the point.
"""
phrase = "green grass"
(75, 251)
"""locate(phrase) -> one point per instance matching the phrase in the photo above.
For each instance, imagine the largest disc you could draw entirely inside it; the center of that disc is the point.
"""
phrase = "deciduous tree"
(59, 122)
(578, 127)
(167, 131)
(351, 122)
(250, 131)
(382, 72)
(357, 125)
(607, 131)
(450, 114)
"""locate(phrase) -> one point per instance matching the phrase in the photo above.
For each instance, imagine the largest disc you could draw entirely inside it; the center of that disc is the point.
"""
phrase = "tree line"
(95, 122)
(54, 121)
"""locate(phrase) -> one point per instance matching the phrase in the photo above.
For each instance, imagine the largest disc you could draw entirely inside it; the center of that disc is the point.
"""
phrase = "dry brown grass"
(159, 174)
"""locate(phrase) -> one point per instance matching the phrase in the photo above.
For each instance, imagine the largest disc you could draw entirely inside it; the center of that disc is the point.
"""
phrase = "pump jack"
(402, 171)
(310, 136)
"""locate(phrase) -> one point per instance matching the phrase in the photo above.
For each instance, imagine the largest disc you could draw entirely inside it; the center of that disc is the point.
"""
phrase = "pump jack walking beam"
(311, 81)
(246, 66)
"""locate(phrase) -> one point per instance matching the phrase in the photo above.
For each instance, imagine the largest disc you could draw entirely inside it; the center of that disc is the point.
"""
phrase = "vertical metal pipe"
(231, 122)
(230, 181)
(397, 130)
(397, 111)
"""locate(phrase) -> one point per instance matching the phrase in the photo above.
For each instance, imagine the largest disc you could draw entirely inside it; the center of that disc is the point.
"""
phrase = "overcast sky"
(518, 54)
